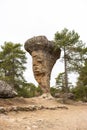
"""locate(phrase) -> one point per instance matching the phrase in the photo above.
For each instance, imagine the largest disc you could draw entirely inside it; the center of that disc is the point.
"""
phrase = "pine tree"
(72, 49)
(82, 79)
(12, 61)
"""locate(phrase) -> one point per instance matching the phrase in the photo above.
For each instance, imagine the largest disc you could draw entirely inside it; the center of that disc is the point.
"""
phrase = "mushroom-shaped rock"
(44, 57)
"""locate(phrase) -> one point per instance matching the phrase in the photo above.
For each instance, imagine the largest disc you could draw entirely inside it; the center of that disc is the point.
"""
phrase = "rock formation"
(44, 57)
(6, 90)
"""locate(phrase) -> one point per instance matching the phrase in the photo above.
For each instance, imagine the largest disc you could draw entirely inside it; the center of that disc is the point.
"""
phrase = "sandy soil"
(73, 118)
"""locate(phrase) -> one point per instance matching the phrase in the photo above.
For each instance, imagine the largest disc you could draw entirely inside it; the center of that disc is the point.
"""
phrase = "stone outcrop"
(44, 57)
(29, 108)
(6, 90)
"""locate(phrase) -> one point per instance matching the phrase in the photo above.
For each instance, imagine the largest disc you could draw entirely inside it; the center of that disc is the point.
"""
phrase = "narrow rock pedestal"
(44, 57)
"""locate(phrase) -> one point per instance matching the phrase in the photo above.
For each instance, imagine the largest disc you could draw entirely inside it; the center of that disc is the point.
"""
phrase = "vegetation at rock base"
(29, 90)
(80, 93)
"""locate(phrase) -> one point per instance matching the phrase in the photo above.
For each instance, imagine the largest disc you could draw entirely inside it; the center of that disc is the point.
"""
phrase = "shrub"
(80, 93)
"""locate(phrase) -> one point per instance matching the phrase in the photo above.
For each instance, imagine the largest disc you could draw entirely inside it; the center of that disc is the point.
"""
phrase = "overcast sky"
(23, 19)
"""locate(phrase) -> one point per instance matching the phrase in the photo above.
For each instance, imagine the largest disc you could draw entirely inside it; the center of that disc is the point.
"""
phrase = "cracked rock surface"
(6, 90)
(44, 57)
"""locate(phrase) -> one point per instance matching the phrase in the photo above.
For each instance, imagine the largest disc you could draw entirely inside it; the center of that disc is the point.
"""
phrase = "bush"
(54, 90)
(27, 90)
(80, 93)
(38, 91)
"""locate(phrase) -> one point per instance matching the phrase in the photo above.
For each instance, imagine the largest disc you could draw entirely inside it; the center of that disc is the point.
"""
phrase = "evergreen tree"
(82, 79)
(27, 90)
(60, 81)
(72, 49)
(12, 60)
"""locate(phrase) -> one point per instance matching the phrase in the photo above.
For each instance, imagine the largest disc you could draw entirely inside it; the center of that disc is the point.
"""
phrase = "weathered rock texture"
(29, 108)
(6, 90)
(44, 57)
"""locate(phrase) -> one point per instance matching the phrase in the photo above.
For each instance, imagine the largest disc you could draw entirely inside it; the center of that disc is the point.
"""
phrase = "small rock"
(27, 128)
(34, 126)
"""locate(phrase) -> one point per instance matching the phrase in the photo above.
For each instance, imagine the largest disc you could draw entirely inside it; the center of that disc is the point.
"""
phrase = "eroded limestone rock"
(44, 57)
(6, 90)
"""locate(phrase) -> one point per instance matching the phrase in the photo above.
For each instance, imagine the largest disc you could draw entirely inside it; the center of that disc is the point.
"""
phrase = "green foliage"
(82, 79)
(12, 60)
(60, 81)
(74, 51)
(81, 90)
(27, 90)
(80, 93)
(66, 39)
(54, 90)
(38, 91)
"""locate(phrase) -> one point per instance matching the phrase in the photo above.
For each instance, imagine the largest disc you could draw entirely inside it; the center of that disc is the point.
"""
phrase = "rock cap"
(41, 43)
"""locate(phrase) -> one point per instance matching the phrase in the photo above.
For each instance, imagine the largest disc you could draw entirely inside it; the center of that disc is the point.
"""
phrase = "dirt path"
(73, 118)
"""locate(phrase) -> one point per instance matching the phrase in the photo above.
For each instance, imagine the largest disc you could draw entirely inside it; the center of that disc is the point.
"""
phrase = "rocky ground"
(51, 116)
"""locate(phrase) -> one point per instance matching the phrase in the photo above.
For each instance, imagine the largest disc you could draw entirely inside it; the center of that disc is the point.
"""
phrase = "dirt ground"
(73, 118)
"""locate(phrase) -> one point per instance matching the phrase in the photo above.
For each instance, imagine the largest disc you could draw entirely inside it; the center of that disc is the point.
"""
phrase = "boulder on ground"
(6, 90)
(65, 95)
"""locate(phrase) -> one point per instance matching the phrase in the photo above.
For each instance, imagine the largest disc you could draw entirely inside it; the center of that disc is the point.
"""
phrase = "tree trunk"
(65, 69)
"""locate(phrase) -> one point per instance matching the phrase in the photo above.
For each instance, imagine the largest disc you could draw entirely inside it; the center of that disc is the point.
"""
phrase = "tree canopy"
(12, 61)
(82, 79)
(73, 51)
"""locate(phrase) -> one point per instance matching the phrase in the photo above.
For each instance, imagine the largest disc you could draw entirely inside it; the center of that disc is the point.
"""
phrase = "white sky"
(23, 19)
